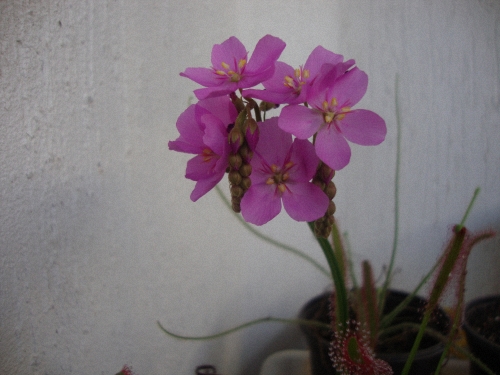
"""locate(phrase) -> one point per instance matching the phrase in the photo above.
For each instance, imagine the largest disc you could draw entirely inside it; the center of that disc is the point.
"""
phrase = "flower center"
(207, 155)
(280, 176)
(332, 113)
(233, 75)
(300, 78)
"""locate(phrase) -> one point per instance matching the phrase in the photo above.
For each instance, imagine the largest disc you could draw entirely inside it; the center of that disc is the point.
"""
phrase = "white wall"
(98, 237)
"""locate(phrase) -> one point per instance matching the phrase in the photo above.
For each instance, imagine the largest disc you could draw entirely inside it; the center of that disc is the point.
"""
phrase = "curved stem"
(271, 240)
(268, 319)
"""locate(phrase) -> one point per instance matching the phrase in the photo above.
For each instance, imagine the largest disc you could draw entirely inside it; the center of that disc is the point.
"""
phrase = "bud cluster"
(323, 179)
(243, 138)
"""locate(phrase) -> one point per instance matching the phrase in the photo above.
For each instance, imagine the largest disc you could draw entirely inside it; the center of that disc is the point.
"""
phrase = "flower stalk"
(288, 162)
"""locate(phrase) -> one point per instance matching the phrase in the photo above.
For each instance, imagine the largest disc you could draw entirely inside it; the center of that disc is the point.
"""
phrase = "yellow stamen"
(325, 106)
(207, 154)
(288, 80)
(220, 72)
(305, 74)
(329, 117)
(274, 168)
(235, 77)
(282, 188)
(334, 102)
(225, 65)
(286, 176)
(270, 181)
(289, 164)
(297, 72)
(242, 63)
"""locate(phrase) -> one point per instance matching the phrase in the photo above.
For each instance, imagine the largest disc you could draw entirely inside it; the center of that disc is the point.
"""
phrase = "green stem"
(269, 319)
(437, 291)
(271, 240)
(341, 306)
(387, 319)
(388, 278)
(471, 203)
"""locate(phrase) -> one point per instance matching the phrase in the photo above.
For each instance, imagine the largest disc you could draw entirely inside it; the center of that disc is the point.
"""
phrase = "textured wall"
(98, 237)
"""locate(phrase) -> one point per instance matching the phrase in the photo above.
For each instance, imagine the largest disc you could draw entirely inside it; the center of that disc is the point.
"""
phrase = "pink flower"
(231, 69)
(281, 172)
(332, 118)
(352, 355)
(203, 132)
(288, 85)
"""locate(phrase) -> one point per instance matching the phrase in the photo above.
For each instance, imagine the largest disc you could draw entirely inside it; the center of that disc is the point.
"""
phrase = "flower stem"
(471, 203)
(388, 278)
(271, 240)
(341, 304)
(268, 319)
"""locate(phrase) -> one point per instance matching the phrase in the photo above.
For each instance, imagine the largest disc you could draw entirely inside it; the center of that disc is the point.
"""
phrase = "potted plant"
(482, 329)
(289, 161)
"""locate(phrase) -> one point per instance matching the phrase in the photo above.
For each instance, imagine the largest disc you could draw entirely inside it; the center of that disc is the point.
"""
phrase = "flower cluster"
(288, 160)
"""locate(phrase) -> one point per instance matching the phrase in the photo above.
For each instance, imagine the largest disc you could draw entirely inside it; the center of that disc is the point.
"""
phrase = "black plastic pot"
(393, 352)
(482, 329)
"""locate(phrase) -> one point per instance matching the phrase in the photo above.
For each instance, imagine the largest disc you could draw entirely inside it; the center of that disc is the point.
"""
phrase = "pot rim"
(468, 328)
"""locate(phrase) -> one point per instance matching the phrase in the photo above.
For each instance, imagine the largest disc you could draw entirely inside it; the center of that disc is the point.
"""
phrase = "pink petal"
(203, 76)
(260, 170)
(320, 56)
(305, 201)
(201, 167)
(300, 121)
(332, 148)
(274, 143)
(326, 80)
(204, 186)
(349, 88)
(231, 51)
(363, 127)
(190, 139)
(221, 107)
(306, 161)
(211, 92)
(215, 136)
(267, 51)
(261, 65)
(260, 204)
(276, 82)
(270, 96)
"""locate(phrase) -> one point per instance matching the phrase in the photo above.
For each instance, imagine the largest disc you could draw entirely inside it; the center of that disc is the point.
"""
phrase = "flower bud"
(235, 139)
(331, 209)
(331, 190)
(245, 153)
(235, 204)
(245, 170)
(246, 183)
(234, 177)
(251, 130)
(235, 161)
(267, 106)
(325, 172)
(236, 191)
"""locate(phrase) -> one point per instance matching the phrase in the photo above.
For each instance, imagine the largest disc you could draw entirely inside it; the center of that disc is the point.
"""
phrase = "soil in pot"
(482, 328)
(393, 349)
